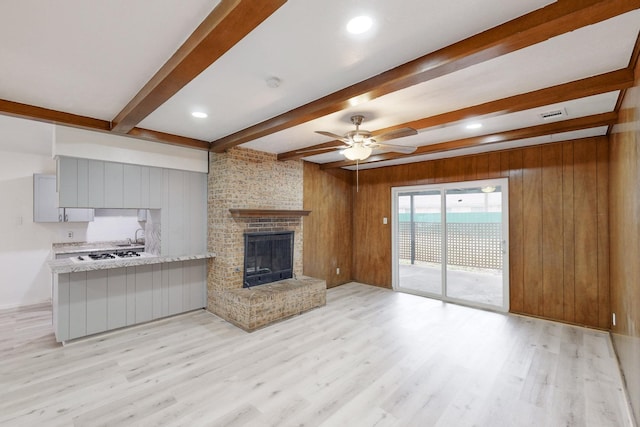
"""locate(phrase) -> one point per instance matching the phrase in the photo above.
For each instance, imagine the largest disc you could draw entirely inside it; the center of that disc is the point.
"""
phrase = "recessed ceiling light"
(199, 115)
(472, 126)
(359, 24)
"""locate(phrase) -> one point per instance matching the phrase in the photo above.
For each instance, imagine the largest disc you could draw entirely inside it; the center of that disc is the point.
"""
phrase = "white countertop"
(66, 265)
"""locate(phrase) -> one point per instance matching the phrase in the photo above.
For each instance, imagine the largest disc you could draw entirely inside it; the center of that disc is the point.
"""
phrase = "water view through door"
(450, 241)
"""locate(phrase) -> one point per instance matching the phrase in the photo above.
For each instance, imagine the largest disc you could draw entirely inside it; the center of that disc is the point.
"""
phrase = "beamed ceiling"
(140, 69)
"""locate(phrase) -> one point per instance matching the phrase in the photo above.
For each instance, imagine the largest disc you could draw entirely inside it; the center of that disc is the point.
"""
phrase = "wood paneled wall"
(625, 244)
(558, 214)
(327, 230)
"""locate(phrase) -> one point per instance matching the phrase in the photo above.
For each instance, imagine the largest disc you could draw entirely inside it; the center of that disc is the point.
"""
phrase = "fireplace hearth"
(268, 257)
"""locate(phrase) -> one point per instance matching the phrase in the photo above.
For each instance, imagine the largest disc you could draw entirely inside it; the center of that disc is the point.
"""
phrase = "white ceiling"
(91, 58)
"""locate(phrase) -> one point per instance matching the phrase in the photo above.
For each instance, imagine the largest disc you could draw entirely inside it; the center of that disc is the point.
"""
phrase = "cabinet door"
(83, 183)
(132, 176)
(113, 185)
(175, 287)
(61, 306)
(68, 185)
(96, 184)
(96, 301)
(45, 199)
(143, 293)
(77, 304)
(144, 187)
(131, 296)
(116, 298)
(78, 215)
(155, 188)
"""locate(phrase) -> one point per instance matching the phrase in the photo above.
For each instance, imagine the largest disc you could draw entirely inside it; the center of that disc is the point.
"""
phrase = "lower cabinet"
(89, 302)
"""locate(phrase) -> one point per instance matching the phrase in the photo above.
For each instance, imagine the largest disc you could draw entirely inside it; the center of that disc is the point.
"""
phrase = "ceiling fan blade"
(404, 149)
(333, 135)
(393, 134)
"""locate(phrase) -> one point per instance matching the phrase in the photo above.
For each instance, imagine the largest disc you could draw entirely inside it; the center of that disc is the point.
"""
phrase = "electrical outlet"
(613, 319)
(338, 271)
(70, 234)
(384, 220)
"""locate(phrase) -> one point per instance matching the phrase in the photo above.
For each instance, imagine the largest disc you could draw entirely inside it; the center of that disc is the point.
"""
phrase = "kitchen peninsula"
(93, 296)
(96, 295)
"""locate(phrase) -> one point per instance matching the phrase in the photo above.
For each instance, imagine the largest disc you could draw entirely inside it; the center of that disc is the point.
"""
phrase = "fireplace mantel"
(267, 213)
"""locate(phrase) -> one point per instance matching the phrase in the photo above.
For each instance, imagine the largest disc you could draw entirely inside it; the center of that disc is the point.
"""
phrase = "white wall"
(24, 245)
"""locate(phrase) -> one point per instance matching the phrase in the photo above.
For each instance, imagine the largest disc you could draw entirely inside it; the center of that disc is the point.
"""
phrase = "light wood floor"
(371, 357)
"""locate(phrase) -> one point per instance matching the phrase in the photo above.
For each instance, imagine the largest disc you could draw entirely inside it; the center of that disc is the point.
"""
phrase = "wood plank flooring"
(371, 357)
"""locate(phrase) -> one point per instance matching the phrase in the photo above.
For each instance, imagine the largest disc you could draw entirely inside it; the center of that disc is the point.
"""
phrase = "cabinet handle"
(66, 218)
(60, 218)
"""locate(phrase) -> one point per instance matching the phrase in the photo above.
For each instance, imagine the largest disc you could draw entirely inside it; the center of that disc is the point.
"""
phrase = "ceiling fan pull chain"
(357, 177)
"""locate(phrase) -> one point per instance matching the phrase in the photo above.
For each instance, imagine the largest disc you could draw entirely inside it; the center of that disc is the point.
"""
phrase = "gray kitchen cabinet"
(68, 182)
(95, 178)
(155, 188)
(45, 203)
(130, 291)
(95, 301)
(83, 183)
(132, 192)
(184, 212)
(73, 182)
(100, 184)
(113, 185)
(142, 294)
(77, 290)
(116, 298)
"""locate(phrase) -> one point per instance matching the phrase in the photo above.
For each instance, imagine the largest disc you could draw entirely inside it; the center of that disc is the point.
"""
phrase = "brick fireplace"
(247, 179)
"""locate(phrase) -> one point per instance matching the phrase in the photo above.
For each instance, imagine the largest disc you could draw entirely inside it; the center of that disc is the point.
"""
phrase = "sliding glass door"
(450, 242)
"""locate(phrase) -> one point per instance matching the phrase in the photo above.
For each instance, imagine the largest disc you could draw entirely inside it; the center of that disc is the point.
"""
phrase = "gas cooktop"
(106, 256)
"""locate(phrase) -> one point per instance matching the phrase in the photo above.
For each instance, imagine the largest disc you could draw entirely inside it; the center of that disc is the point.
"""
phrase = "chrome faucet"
(136, 235)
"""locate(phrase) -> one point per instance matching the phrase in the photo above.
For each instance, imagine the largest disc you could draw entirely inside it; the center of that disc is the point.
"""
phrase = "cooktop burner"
(102, 256)
(126, 254)
(96, 257)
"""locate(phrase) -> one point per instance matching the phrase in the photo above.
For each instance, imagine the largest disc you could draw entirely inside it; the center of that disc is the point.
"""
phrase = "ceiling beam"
(228, 23)
(25, 111)
(168, 138)
(596, 120)
(603, 83)
(39, 114)
(555, 19)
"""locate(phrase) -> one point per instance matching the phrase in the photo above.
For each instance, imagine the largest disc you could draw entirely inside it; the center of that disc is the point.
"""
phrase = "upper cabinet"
(45, 203)
(99, 184)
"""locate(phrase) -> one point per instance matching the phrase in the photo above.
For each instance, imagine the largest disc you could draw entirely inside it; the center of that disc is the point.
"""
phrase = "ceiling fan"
(359, 143)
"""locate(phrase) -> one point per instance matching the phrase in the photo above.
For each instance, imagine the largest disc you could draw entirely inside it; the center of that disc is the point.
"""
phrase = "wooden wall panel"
(568, 235)
(327, 230)
(516, 232)
(532, 230)
(602, 193)
(558, 234)
(586, 237)
(552, 241)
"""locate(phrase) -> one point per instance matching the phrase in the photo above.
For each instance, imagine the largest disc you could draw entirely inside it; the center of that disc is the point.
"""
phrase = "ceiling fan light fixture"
(357, 151)
(359, 24)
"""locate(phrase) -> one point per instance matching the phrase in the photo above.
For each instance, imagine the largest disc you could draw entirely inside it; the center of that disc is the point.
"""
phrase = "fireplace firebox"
(268, 257)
